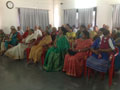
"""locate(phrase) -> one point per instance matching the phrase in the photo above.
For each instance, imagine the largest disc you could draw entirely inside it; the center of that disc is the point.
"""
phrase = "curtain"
(70, 17)
(116, 16)
(85, 16)
(31, 17)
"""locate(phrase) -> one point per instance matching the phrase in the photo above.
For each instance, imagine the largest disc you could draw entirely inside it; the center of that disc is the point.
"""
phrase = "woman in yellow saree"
(36, 51)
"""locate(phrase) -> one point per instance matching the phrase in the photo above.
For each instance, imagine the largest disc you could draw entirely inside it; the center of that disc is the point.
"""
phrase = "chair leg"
(89, 73)
(111, 74)
(28, 52)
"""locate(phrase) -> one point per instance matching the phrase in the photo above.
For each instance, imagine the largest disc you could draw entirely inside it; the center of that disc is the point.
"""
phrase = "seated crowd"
(65, 49)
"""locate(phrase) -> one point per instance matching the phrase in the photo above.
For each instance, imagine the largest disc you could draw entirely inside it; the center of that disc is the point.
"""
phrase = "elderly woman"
(73, 64)
(26, 32)
(53, 33)
(36, 50)
(17, 52)
(54, 59)
(101, 50)
(10, 40)
(78, 33)
(13, 39)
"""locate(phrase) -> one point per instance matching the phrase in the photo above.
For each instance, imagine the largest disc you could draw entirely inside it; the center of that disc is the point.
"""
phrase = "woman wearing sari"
(17, 52)
(74, 61)
(54, 59)
(36, 42)
(26, 33)
(78, 33)
(14, 39)
(10, 40)
(53, 33)
(36, 50)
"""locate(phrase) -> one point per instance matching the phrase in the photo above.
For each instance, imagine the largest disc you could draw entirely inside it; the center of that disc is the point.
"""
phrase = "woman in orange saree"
(74, 60)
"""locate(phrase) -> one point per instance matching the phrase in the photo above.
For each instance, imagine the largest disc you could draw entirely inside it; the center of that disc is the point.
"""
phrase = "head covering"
(64, 30)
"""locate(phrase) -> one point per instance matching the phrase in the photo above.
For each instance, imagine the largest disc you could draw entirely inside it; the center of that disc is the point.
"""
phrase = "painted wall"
(104, 9)
(10, 16)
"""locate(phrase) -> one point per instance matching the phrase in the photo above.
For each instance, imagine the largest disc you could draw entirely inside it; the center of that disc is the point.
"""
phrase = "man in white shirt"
(37, 32)
(20, 30)
(74, 29)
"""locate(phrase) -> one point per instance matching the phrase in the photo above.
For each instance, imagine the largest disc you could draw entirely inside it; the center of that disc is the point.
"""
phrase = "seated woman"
(13, 39)
(53, 36)
(73, 64)
(17, 52)
(36, 50)
(53, 33)
(10, 40)
(94, 32)
(78, 33)
(26, 32)
(36, 42)
(101, 49)
(54, 59)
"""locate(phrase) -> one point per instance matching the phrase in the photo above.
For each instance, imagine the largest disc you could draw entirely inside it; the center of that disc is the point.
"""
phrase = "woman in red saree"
(74, 61)
(26, 33)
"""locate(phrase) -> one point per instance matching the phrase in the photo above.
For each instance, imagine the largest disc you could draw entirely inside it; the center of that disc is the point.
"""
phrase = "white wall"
(10, 16)
(104, 9)
(0, 14)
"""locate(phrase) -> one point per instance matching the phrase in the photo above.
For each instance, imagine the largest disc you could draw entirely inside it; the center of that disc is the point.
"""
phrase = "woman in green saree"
(54, 59)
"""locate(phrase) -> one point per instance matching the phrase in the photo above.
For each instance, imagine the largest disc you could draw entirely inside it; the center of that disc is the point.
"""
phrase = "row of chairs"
(87, 71)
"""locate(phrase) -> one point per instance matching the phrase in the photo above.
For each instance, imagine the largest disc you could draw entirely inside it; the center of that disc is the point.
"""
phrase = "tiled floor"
(16, 75)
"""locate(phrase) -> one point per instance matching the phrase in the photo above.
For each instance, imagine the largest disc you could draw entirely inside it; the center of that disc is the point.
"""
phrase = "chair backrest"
(111, 70)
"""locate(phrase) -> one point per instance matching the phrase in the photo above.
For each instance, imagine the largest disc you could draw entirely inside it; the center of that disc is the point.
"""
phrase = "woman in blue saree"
(13, 39)
(54, 59)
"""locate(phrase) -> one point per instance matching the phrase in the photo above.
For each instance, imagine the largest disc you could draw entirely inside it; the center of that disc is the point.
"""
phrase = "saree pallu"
(74, 64)
(36, 51)
(16, 52)
(54, 59)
